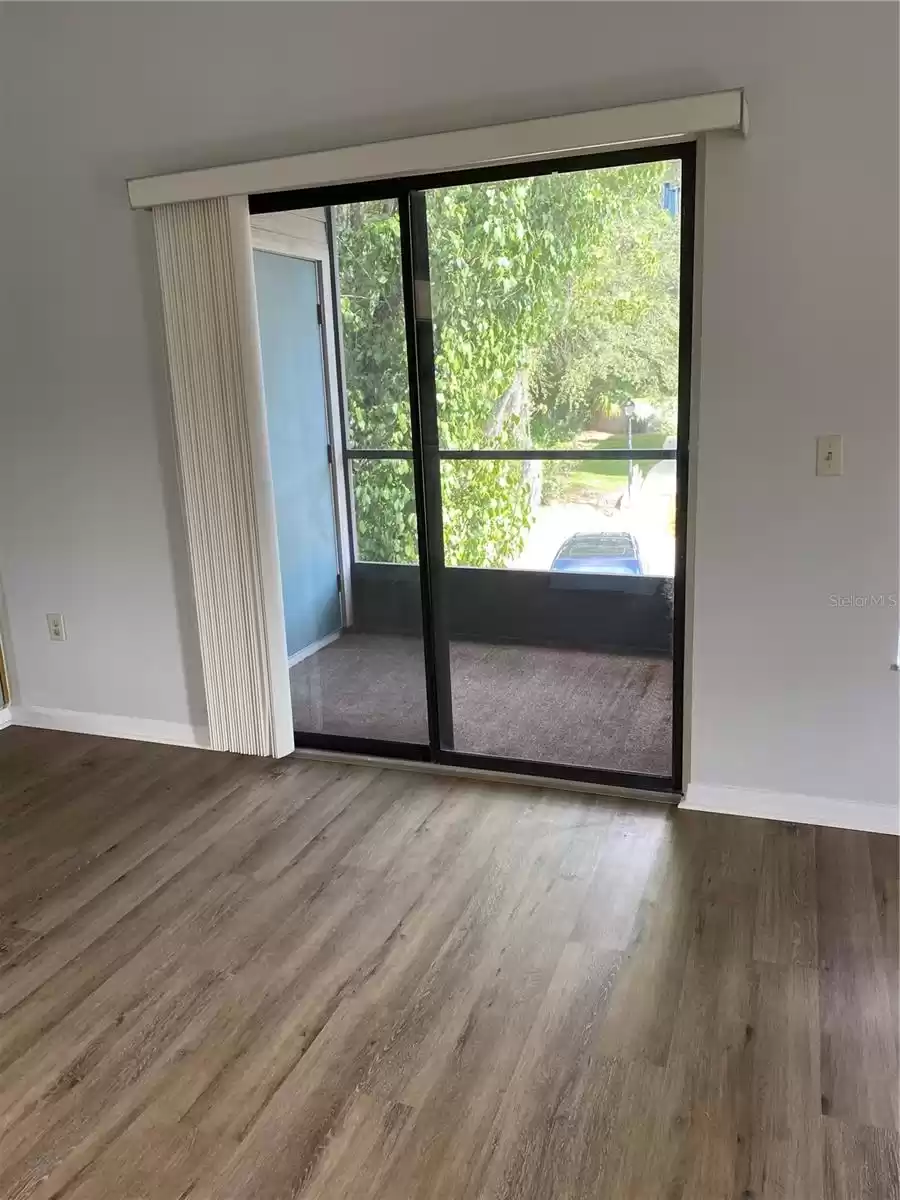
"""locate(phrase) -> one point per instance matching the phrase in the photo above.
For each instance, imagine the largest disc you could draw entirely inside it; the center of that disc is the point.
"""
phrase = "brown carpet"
(528, 702)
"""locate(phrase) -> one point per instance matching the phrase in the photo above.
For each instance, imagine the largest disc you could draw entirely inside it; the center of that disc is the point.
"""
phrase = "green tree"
(553, 297)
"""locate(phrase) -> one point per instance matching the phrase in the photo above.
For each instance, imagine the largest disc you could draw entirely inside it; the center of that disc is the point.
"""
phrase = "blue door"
(294, 381)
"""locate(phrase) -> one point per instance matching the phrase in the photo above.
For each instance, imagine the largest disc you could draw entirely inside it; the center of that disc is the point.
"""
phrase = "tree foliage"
(554, 298)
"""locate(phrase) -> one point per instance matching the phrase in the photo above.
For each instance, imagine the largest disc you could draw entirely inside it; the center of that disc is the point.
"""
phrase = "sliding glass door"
(513, 444)
(342, 472)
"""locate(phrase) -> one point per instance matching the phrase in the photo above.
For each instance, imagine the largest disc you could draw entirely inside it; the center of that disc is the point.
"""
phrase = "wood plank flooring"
(225, 979)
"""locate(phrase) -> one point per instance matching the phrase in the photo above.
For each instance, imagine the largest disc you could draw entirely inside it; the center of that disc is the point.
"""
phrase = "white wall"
(800, 323)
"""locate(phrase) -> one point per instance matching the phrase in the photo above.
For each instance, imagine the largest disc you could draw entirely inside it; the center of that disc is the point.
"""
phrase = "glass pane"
(582, 516)
(384, 511)
(371, 682)
(555, 302)
(556, 317)
(367, 243)
(575, 701)
(564, 656)
(353, 624)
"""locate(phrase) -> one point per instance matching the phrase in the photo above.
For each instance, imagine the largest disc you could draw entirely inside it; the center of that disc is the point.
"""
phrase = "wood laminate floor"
(223, 979)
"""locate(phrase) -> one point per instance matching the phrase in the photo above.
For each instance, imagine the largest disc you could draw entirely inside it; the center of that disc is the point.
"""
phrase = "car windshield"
(603, 546)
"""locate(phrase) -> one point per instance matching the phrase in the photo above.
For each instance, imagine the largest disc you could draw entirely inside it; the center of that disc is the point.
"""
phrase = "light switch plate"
(57, 627)
(830, 454)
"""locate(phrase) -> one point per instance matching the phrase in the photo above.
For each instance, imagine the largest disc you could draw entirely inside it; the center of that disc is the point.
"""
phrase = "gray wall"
(790, 692)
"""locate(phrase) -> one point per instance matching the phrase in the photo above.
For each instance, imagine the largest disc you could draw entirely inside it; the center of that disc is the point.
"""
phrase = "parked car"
(614, 553)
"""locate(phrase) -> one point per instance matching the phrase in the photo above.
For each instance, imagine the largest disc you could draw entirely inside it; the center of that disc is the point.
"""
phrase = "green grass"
(601, 476)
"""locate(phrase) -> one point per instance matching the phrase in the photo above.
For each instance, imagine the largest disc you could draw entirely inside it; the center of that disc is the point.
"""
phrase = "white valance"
(548, 137)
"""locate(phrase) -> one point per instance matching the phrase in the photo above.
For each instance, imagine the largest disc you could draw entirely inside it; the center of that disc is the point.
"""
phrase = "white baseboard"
(5, 717)
(169, 733)
(794, 807)
(313, 648)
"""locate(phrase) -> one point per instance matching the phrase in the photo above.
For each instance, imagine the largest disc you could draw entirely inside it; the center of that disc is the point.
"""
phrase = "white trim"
(519, 141)
(794, 807)
(5, 717)
(138, 729)
(313, 648)
(289, 245)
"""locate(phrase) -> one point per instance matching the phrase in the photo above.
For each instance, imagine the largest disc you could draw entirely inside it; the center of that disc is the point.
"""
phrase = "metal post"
(426, 466)
(629, 413)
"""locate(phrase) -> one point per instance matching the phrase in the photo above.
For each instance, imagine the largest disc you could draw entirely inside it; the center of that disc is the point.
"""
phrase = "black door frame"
(409, 192)
(416, 273)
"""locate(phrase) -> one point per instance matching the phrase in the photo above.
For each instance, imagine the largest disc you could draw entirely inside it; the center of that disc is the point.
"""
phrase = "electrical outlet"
(830, 454)
(57, 627)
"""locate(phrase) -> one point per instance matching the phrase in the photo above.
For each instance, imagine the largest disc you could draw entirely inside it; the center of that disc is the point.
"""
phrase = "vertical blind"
(203, 249)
